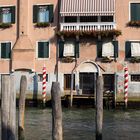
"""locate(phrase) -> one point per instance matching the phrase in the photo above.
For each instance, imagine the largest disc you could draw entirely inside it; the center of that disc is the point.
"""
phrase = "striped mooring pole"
(44, 85)
(125, 85)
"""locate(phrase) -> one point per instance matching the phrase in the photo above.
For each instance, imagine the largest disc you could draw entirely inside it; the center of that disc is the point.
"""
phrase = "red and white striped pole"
(44, 85)
(125, 85)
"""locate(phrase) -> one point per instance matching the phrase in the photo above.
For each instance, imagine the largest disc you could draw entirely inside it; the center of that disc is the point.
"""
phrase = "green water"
(79, 124)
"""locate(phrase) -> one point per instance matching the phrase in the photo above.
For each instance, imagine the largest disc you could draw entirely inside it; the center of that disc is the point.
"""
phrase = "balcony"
(99, 26)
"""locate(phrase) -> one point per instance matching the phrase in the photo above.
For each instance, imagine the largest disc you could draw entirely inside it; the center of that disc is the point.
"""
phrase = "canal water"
(79, 124)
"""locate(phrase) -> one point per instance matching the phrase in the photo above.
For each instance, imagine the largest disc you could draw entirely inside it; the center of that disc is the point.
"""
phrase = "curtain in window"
(135, 49)
(69, 49)
(43, 15)
(6, 17)
(108, 49)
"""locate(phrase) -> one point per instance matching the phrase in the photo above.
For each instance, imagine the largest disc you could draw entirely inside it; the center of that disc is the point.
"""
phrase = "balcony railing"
(87, 26)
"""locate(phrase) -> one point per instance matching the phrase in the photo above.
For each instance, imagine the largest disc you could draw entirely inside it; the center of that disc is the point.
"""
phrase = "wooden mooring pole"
(99, 108)
(8, 108)
(56, 112)
(23, 86)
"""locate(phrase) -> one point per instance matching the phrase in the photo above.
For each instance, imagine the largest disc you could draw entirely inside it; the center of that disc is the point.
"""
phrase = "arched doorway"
(86, 74)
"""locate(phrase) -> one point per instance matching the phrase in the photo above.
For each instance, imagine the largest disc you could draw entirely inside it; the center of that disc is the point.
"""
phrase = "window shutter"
(46, 49)
(51, 13)
(40, 49)
(135, 10)
(5, 50)
(115, 44)
(99, 49)
(127, 49)
(35, 13)
(0, 14)
(77, 49)
(61, 48)
(13, 14)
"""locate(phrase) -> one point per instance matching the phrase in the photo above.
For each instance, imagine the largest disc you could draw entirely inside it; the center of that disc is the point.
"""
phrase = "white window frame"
(0, 49)
(37, 49)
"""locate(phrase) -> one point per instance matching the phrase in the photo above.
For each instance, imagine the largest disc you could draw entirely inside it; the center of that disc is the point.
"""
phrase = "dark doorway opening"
(87, 83)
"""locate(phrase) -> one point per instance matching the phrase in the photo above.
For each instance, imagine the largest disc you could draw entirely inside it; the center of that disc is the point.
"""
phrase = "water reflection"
(79, 124)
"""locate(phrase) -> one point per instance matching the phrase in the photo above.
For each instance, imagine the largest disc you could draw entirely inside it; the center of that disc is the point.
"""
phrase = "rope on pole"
(44, 85)
(125, 86)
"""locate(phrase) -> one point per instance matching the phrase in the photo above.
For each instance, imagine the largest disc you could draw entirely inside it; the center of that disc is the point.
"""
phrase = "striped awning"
(87, 7)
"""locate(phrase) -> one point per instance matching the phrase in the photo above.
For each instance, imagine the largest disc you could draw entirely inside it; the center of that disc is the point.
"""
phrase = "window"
(7, 14)
(42, 13)
(106, 18)
(68, 48)
(43, 49)
(40, 77)
(132, 49)
(88, 19)
(67, 82)
(5, 50)
(135, 11)
(135, 77)
(109, 49)
(70, 19)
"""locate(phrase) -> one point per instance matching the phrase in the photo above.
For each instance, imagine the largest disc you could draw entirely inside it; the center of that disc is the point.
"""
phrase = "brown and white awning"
(87, 7)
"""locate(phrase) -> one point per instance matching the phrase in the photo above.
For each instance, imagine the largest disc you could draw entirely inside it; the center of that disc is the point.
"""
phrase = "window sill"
(5, 25)
(42, 58)
(42, 24)
(5, 59)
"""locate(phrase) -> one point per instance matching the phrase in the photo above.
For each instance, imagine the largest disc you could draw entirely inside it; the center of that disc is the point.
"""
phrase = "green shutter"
(35, 13)
(99, 49)
(40, 49)
(77, 49)
(127, 49)
(46, 50)
(50, 13)
(0, 14)
(5, 50)
(115, 44)
(135, 11)
(61, 49)
(13, 14)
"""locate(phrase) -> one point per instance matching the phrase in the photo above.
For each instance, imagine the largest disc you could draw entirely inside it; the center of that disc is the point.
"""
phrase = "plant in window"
(134, 23)
(91, 33)
(107, 59)
(5, 25)
(42, 24)
(135, 59)
(67, 59)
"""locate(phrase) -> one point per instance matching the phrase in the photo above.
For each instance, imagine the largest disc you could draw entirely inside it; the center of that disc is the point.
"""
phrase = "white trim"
(43, 4)
(0, 49)
(7, 5)
(37, 49)
(4, 73)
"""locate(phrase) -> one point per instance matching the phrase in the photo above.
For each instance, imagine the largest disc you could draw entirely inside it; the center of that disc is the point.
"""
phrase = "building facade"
(76, 40)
